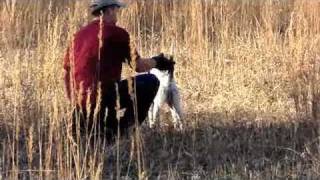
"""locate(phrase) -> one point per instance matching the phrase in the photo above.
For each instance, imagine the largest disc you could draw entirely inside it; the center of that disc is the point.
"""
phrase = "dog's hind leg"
(176, 119)
(175, 106)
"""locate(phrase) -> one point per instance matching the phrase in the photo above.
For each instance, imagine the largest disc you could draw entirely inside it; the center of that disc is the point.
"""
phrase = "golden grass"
(248, 71)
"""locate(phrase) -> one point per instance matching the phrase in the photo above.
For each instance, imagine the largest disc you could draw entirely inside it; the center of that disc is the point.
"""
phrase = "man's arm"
(160, 62)
(132, 55)
(145, 64)
(141, 64)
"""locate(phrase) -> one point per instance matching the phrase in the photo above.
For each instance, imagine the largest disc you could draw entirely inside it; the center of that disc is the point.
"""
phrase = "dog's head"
(166, 63)
(171, 63)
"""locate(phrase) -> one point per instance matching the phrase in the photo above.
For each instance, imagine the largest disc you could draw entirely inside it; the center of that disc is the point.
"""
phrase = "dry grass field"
(248, 71)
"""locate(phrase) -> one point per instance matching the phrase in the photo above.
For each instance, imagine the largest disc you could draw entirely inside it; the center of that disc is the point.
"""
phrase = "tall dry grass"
(248, 72)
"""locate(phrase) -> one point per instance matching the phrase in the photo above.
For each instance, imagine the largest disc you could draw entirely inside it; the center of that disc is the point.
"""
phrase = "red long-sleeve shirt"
(82, 65)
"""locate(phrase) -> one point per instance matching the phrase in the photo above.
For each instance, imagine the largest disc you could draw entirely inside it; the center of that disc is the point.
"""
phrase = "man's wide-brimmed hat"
(97, 5)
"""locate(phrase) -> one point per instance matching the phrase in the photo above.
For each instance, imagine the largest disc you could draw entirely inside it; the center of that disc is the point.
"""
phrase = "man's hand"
(145, 64)
(163, 63)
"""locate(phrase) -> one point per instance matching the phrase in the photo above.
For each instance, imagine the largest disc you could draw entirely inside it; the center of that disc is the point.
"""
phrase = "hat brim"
(96, 9)
(121, 4)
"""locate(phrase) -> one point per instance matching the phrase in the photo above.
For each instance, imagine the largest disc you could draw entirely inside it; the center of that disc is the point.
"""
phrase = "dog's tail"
(171, 70)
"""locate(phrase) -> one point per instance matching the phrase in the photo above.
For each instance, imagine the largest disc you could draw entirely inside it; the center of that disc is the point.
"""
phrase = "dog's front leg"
(150, 116)
(153, 114)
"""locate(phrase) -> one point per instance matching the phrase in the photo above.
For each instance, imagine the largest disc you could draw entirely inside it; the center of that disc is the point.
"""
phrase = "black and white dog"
(168, 93)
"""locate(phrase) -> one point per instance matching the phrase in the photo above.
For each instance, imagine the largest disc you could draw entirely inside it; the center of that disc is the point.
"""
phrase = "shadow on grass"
(211, 147)
(220, 146)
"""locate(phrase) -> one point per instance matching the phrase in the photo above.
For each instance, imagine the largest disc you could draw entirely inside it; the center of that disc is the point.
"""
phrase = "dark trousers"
(104, 121)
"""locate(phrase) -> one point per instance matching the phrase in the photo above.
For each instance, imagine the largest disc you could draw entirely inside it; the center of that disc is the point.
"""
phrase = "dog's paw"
(152, 125)
(178, 126)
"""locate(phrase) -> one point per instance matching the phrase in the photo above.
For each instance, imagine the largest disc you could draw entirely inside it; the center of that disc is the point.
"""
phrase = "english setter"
(168, 93)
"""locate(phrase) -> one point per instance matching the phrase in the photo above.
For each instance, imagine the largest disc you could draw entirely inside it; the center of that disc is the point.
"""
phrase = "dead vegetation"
(248, 72)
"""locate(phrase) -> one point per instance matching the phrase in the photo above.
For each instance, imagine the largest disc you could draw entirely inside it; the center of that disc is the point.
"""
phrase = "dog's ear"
(171, 59)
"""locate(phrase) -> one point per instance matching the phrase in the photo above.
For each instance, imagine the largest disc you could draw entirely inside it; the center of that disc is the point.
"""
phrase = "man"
(93, 65)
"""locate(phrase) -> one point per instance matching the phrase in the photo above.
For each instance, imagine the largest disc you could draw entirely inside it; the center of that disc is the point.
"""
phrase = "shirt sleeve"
(122, 41)
(126, 47)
